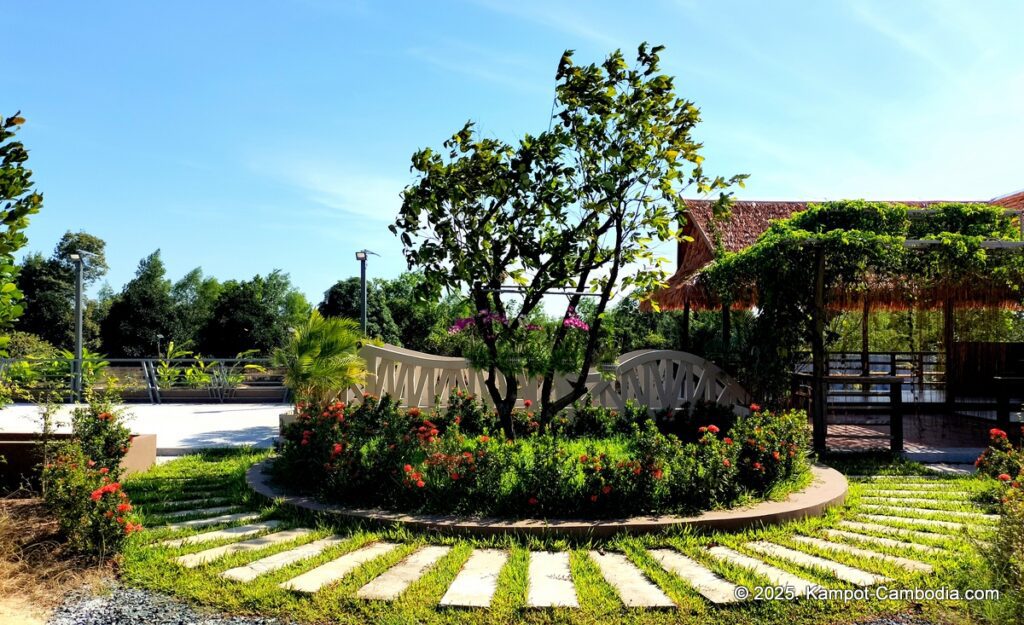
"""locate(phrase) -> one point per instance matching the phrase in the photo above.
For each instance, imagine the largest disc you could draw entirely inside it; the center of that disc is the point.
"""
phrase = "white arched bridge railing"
(658, 379)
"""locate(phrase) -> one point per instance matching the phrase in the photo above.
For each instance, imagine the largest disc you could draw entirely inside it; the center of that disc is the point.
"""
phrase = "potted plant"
(320, 360)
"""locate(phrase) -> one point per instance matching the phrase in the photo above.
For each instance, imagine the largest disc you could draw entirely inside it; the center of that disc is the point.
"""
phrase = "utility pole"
(361, 256)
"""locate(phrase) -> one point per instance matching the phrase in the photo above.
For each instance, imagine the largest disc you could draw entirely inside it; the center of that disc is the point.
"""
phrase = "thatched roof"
(751, 218)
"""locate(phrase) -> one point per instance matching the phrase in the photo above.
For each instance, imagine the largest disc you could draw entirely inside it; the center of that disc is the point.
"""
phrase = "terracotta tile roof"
(1011, 200)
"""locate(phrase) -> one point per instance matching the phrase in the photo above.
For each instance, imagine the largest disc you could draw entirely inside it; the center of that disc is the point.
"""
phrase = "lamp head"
(75, 257)
(361, 255)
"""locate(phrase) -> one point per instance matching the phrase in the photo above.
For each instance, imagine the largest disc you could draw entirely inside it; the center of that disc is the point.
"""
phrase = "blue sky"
(244, 136)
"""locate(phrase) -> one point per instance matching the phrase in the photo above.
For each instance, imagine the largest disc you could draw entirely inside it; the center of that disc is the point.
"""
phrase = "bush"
(1001, 459)
(1006, 555)
(596, 463)
(81, 484)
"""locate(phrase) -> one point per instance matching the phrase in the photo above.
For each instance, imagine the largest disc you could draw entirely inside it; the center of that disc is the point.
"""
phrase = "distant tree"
(48, 285)
(17, 202)
(422, 321)
(254, 314)
(194, 297)
(344, 299)
(143, 310)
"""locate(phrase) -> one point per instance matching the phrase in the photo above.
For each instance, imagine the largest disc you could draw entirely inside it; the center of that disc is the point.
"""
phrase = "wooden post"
(865, 364)
(948, 337)
(896, 416)
(686, 325)
(819, 399)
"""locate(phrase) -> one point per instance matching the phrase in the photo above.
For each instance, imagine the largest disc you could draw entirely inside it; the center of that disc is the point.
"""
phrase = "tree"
(344, 299)
(142, 311)
(17, 202)
(423, 322)
(576, 207)
(194, 297)
(48, 285)
(254, 314)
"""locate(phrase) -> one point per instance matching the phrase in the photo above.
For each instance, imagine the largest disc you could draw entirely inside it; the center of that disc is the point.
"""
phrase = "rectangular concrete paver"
(713, 587)
(907, 563)
(476, 583)
(195, 559)
(887, 542)
(278, 561)
(777, 576)
(883, 518)
(550, 581)
(914, 502)
(206, 512)
(952, 513)
(937, 495)
(895, 531)
(395, 580)
(230, 532)
(633, 587)
(187, 503)
(312, 581)
(846, 573)
(241, 517)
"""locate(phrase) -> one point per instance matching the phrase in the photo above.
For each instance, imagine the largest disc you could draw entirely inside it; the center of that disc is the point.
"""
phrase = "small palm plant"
(320, 361)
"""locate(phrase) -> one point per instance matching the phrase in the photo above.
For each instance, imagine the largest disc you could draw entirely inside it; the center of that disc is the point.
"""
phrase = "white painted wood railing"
(658, 379)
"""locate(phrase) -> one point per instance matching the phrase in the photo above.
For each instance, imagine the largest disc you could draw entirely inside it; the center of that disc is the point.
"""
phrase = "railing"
(923, 373)
(821, 390)
(151, 380)
(659, 379)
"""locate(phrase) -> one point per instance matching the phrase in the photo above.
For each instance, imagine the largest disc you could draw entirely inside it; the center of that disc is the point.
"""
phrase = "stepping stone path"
(550, 582)
(846, 573)
(915, 502)
(187, 503)
(708, 583)
(778, 577)
(231, 532)
(196, 559)
(333, 571)
(635, 590)
(907, 563)
(922, 494)
(888, 529)
(476, 583)
(884, 518)
(399, 577)
(201, 511)
(278, 561)
(952, 513)
(885, 542)
(241, 517)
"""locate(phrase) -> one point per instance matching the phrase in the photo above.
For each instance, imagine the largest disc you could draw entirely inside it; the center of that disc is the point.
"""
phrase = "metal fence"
(150, 380)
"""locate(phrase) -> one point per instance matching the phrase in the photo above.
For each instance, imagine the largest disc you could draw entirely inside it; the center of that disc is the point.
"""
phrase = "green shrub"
(1006, 556)
(596, 463)
(81, 484)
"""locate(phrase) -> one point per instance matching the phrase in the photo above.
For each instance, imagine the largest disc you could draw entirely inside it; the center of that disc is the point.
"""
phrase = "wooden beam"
(865, 364)
(948, 338)
(819, 400)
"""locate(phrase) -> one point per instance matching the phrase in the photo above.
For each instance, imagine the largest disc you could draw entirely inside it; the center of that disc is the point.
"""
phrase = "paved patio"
(178, 427)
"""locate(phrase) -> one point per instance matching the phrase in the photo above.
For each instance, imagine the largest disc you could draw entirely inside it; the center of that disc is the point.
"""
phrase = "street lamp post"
(361, 257)
(78, 258)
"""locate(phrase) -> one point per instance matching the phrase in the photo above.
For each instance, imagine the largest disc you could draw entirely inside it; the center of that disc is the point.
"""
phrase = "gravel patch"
(130, 606)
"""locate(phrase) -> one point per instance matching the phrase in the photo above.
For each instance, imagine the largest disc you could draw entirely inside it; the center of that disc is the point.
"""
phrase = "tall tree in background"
(48, 285)
(17, 202)
(195, 296)
(344, 299)
(143, 310)
(422, 322)
(579, 206)
(254, 314)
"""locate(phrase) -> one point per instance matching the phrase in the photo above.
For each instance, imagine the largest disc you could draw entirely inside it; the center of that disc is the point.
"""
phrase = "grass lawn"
(954, 553)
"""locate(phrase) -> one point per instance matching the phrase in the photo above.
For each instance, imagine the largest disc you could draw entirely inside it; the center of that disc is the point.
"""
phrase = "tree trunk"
(818, 355)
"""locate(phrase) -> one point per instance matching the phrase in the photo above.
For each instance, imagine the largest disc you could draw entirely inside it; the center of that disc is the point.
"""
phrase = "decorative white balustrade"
(658, 379)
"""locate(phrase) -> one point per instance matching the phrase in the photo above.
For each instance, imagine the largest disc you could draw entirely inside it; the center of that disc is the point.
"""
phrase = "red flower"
(527, 403)
(532, 501)
(728, 441)
(726, 462)
(484, 439)
(583, 458)
(755, 407)
(420, 484)
(996, 433)
(408, 468)
(455, 476)
(104, 471)
(109, 514)
(758, 466)
(104, 416)
(414, 412)
(702, 429)
(775, 455)
(124, 507)
(593, 498)
(1004, 477)
(657, 474)
(91, 463)
(713, 429)
(607, 489)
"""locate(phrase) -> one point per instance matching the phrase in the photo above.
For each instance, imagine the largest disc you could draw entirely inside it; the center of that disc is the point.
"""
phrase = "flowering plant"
(1000, 457)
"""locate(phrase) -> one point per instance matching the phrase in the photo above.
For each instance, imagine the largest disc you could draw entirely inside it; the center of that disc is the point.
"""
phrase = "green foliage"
(143, 310)
(17, 202)
(863, 245)
(321, 360)
(254, 314)
(602, 464)
(1000, 458)
(194, 296)
(81, 483)
(579, 206)
(1005, 557)
(344, 299)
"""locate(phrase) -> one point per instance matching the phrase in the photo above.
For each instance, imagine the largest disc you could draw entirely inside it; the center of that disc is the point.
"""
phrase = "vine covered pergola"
(859, 255)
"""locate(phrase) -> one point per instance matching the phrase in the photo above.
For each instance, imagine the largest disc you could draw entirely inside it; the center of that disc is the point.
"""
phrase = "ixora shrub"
(593, 463)
(1001, 459)
(1006, 554)
(80, 482)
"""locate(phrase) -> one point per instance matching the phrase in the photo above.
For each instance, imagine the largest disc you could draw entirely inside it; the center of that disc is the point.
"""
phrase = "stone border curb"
(828, 489)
